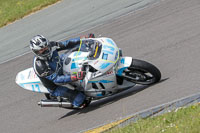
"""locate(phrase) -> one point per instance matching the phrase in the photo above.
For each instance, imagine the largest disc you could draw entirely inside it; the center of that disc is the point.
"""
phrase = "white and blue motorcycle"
(107, 72)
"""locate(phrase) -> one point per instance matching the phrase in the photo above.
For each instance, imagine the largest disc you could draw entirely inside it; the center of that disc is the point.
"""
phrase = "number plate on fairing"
(28, 80)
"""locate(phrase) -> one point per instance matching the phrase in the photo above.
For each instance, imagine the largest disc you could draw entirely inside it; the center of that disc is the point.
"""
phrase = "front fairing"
(102, 57)
(108, 57)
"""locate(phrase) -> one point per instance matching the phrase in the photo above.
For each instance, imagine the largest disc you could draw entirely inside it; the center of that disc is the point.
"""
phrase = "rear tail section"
(28, 80)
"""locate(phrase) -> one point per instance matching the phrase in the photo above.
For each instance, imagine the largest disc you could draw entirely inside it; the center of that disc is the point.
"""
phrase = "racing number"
(36, 87)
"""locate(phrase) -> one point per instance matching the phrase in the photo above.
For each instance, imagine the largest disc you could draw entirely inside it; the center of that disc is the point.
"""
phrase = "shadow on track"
(111, 99)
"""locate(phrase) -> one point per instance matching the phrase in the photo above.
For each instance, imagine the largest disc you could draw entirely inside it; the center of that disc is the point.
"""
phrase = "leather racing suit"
(50, 72)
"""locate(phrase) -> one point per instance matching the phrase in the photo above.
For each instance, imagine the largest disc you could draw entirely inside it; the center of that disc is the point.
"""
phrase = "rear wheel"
(142, 72)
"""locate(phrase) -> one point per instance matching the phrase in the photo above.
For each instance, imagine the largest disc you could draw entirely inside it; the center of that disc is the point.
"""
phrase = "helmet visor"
(43, 52)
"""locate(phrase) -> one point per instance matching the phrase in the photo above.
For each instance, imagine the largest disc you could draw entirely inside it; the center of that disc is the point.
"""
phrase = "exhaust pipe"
(53, 103)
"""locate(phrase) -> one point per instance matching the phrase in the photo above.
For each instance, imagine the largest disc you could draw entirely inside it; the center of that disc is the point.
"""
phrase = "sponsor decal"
(100, 81)
(110, 42)
(105, 56)
(96, 62)
(32, 75)
(122, 61)
(109, 72)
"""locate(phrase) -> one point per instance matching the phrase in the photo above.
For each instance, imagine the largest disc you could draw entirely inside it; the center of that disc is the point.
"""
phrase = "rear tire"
(142, 72)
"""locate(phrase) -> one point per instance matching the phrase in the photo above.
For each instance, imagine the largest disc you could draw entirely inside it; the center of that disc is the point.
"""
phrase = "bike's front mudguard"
(123, 63)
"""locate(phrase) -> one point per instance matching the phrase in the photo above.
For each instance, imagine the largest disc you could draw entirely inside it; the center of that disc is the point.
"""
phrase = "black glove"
(91, 35)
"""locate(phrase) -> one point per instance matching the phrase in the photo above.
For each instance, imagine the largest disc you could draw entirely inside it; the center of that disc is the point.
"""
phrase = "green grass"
(185, 120)
(11, 10)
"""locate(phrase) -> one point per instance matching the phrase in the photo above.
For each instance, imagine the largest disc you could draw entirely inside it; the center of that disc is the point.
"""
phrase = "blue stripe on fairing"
(30, 83)
(100, 81)
(108, 47)
(99, 95)
(120, 71)
(110, 41)
(104, 65)
(79, 58)
(74, 66)
(35, 87)
(77, 53)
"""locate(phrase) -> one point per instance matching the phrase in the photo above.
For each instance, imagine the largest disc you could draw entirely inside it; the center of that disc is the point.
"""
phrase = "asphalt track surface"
(166, 34)
(62, 20)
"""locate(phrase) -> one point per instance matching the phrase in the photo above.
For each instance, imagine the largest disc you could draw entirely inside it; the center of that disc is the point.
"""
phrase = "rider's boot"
(75, 97)
(79, 100)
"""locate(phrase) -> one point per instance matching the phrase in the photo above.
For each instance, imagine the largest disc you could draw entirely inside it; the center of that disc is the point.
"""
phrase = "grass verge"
(11, 10)
(184, 120)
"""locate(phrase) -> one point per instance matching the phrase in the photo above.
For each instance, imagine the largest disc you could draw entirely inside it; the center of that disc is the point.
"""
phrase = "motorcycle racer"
(48, 66)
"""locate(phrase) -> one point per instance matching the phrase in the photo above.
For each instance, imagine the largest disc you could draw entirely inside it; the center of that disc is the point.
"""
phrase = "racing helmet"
(40, 47)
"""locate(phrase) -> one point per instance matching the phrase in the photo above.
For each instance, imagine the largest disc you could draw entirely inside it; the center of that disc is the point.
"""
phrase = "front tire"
(142, 72)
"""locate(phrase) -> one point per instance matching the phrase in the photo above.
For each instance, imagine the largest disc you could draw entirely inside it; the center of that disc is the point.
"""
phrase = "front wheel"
(142, 72)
